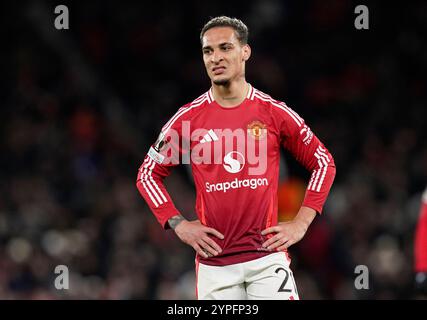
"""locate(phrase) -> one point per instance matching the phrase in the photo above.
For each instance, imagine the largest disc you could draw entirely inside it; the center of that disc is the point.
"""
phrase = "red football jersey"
(421, 237)
(234, 155)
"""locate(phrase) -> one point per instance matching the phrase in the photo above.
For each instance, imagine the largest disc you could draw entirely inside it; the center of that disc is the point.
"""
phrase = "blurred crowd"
(80, 108)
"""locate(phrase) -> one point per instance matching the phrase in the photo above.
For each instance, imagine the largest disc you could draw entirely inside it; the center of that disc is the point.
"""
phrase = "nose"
(216, 57)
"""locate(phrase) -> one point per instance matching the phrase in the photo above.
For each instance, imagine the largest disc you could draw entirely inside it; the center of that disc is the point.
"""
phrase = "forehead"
(218, 35)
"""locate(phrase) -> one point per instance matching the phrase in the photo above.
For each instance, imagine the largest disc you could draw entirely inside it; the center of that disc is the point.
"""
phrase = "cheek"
(238, 62)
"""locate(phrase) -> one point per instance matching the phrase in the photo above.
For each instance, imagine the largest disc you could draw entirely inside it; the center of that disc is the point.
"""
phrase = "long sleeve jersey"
(420, 248)
(234, 155)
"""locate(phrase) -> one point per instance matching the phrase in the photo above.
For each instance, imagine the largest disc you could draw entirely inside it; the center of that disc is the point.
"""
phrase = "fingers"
(200, 251)
(214, 232)
(206, 247)
(211, 252)
(213, 245)
(198, 237)
(285, 246)
(271, 240)
(270, 230)
(278, 243)
(275, 242)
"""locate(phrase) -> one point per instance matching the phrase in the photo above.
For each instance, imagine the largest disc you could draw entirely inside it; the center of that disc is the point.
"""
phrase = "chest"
(240, 132)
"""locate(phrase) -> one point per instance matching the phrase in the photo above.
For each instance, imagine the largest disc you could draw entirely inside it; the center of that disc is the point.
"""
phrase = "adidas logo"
(208, 137)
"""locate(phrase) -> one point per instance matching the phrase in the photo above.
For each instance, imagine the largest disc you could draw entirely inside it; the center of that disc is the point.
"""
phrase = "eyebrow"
(220, 45)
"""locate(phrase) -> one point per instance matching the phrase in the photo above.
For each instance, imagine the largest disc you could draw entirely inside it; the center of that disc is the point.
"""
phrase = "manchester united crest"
(257, 130)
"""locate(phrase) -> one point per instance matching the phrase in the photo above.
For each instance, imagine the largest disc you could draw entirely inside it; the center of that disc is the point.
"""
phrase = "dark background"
(80, 108)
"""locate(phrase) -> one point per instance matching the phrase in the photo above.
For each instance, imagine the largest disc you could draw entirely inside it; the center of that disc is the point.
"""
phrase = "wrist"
(305, 217)
(303, 224)
(175, 221)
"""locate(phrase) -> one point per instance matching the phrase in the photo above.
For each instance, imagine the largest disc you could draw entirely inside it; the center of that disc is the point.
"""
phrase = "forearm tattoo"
(175, 220)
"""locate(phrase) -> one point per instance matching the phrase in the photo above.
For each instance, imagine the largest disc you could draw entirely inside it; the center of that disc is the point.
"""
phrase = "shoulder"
(187, 110)
(267, 101)
(278, 108)
(202, 99)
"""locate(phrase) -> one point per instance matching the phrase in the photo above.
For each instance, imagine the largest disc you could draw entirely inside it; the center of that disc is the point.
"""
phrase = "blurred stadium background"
(80, 108)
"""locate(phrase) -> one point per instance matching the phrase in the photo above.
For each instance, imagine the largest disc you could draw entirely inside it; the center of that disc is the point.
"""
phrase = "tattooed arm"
(175, 220)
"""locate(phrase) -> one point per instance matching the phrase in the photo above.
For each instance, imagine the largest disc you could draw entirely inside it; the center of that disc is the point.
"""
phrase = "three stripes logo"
(210, 136)
(318, 175)
(149, 184)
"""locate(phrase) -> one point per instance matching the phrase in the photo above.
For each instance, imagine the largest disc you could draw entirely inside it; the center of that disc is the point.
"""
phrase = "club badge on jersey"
(257, 130)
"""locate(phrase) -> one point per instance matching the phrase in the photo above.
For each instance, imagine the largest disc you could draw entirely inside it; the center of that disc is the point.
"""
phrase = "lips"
(218, 70)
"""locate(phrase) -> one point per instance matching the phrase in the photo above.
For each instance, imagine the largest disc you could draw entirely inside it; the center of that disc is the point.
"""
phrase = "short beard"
(223, 82)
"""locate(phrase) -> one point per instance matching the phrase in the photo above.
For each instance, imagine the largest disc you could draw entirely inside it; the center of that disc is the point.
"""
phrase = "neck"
(232, 94)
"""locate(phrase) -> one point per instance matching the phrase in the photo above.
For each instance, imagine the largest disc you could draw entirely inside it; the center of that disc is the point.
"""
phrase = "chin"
(221, 82)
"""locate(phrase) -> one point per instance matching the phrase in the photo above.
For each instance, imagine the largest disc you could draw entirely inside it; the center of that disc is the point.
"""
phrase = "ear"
(246, 52)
